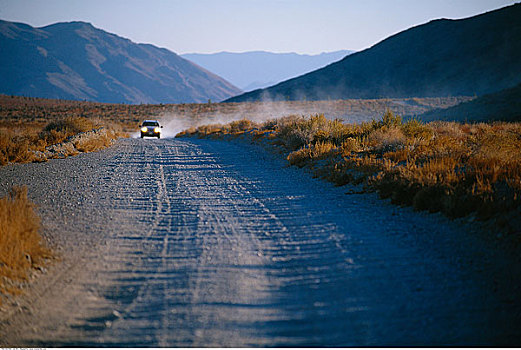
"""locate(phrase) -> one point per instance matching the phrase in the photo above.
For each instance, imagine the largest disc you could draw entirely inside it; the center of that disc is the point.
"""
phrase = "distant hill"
(504, 105)
(259, 69)
(467, 57)
(78, 61)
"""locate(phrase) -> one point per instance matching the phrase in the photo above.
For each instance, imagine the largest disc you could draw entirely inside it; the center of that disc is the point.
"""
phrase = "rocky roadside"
(73, 145)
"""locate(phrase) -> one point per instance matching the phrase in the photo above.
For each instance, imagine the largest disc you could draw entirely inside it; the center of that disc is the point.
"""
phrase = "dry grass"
(314, 152)
(21, 247)
(458, 169)
(18, 141)
(13, 148)
(96, 142)
(57, 131)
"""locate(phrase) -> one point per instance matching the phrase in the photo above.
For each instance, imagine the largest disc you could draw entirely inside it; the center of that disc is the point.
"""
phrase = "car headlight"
(144, 129)
(157, 129)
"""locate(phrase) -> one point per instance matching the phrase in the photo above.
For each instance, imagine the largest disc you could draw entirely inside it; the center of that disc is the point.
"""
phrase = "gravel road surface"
(209, 243)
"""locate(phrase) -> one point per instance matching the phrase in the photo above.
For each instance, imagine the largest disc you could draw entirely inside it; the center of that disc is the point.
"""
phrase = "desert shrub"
(96, 141)
(390, 120)
(366, 128)
(415, 129)
(57, 131)
(387, 139)
(70, 125)
(190, 131)
(321, 136)
(13, 148)
(317, 151)
(291, 133)
(211, 129)
(298, 132)
(497, 144)
(449, 130)
(240, 125)
(338, 132)
(350, 145)
(21, 246)
(443, 146)
(270, 124)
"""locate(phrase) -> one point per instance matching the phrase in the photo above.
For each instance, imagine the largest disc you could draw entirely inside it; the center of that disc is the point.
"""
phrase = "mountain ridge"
(503, 105)
(75, 60)
(256, 69)
(444, 57)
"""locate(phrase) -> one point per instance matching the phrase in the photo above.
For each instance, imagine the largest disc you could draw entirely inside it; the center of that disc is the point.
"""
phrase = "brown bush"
(240, 125)
(387, 139)
(317, 151)
(57, 131)
(13, 148)
(21, 246)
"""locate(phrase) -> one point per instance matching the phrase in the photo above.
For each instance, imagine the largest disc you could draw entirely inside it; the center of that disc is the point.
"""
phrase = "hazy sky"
(303, 26)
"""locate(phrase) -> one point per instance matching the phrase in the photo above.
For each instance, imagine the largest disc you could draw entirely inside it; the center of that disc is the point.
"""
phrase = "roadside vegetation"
(458, 169)
(30, 125)
(21, 246)
(28, 142)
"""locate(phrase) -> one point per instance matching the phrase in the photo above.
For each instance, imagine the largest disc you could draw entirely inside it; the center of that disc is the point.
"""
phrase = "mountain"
(504, 105)
(77, 61)
(467, 57)
(259, 69)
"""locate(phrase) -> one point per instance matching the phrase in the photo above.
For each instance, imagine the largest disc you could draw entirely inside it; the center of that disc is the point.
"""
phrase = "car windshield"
(150, 124)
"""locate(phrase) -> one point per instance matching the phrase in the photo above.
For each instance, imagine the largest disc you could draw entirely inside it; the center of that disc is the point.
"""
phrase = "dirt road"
(208, 243)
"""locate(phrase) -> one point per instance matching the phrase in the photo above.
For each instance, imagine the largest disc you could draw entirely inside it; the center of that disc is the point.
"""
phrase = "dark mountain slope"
(504, 105)
(78, 61)
(472, 56)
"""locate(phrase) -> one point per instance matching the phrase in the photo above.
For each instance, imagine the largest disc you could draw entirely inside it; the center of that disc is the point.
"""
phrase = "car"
(151, 128)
